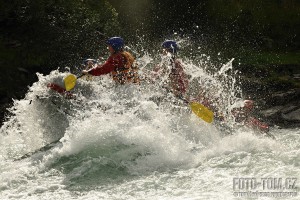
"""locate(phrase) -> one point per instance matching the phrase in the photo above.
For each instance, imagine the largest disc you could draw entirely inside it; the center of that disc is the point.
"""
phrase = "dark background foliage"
(42, 35)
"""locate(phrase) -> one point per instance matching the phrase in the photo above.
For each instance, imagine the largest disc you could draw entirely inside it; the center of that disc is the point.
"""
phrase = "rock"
(272, 112)
(283, 109)
(296, 76)
(292, 116)
(282, 98)
(288, 108)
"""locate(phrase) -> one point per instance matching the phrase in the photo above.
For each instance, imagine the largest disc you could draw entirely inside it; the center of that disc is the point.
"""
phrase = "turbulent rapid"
(139, 142)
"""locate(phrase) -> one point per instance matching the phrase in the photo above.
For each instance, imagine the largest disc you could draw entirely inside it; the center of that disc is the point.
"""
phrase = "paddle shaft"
(198, 109)
(81, 76)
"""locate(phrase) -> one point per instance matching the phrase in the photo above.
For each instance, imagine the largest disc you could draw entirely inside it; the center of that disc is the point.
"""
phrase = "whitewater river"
(132, 142)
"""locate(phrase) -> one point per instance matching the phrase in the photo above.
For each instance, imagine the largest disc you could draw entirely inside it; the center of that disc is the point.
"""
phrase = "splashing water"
(135, 142)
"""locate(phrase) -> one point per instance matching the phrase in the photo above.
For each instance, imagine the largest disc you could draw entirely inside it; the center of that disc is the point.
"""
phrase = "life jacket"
(127, 72)
(178, 79)
(255, 123)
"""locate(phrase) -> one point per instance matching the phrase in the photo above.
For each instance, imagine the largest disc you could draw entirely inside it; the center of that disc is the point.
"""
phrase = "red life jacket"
(178, 79)
(255, 123)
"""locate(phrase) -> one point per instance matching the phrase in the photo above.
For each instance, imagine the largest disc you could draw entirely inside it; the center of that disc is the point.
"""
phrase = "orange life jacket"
(128, 72)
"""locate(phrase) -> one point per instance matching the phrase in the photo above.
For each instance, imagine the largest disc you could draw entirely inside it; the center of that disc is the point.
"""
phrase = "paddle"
(70, 81)
(198, 109)
(202, 112)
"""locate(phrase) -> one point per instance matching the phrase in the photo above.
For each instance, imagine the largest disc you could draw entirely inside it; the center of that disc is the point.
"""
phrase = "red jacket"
(120, 66)
(113, 62)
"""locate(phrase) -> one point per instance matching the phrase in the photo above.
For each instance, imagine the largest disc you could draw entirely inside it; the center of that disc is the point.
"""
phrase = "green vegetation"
(271, 58)
(275, 69)
(42, 35)
(39, 36)
(51, 32)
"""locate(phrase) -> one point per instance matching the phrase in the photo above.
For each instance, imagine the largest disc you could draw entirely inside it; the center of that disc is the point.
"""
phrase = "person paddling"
(245, 115)
(177, 81)
(120, 64)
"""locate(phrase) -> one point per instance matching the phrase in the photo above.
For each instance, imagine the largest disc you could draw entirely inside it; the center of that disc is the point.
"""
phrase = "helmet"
(117, 43)
(170, 45)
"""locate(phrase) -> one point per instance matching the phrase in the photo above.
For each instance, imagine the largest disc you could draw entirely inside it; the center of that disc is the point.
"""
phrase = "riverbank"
(272, 79)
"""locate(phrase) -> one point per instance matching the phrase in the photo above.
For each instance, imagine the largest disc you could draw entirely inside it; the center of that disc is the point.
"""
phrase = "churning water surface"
(139, 142)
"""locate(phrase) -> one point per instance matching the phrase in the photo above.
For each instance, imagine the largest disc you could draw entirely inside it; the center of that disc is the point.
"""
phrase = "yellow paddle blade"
(202, 112)
(70, 82)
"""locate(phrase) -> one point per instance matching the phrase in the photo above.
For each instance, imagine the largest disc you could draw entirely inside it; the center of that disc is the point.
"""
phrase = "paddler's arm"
(106, 68)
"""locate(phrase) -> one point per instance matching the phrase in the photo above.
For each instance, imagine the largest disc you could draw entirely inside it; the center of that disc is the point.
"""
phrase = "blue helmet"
(170, 45)
(117, 43)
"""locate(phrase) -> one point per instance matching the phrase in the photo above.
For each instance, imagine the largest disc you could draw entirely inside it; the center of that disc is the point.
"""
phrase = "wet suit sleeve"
(106, 68)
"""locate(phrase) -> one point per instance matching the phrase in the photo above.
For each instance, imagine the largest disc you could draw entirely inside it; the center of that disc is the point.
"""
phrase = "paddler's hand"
(85, 72)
